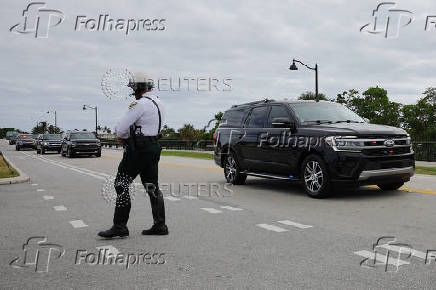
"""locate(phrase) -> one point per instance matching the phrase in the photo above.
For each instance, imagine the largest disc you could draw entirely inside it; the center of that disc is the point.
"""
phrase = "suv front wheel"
(315, 177)
(232, 172)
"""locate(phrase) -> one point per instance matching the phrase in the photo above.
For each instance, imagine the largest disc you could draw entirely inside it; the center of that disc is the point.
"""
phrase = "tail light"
(214, 138)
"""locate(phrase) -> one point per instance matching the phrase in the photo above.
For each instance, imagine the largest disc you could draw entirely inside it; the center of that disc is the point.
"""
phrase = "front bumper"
(52, 147)
(25, 145)
(362, 169)
(406, 172)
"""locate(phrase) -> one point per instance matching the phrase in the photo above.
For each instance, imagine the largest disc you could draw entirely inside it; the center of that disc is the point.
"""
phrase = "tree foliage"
(374, 105)
(420, 119)
(311, 96)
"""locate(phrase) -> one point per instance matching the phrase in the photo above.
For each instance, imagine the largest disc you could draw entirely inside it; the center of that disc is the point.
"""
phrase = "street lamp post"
(94, 108)
(294, 67)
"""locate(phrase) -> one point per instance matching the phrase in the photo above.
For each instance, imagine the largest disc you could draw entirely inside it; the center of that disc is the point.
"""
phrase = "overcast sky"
(250, 42)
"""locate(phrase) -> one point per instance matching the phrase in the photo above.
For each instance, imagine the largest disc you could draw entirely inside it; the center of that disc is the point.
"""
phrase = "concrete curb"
(23, 177)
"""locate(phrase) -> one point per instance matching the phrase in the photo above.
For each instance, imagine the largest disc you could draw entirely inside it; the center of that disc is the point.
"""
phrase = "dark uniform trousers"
(145, 163)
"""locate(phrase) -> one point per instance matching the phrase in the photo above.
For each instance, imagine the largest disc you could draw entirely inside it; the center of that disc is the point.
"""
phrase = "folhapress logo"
(37, 254)
(38, 19)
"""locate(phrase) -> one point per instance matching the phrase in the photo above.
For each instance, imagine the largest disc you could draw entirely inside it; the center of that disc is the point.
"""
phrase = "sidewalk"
(425, 163)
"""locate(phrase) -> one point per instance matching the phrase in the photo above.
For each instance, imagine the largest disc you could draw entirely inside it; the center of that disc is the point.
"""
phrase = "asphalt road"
(264, 234)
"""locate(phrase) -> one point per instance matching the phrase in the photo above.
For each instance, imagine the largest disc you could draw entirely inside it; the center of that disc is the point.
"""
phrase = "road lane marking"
(381, 258)
(294, 224)
(189, 197)
(59, 208)
(34, 184)
(272, 228)
(406, 189)
(231, 208)
(78, 224)
(172, 198)
(398, 249)
(108, 250)
(40, 190)
(48, 197)
(211, 210)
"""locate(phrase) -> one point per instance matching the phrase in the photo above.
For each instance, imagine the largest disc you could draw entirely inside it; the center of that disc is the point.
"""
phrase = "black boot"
(156, 229)
(116, 231)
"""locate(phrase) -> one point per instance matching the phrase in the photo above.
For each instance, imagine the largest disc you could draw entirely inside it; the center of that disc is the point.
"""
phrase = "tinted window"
(83, 135)
(233, 118)
(52, 137)
(277, 112)
(324, 111)
(257, 117)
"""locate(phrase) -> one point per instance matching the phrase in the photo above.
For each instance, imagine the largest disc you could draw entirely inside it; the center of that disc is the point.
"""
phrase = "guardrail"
(200, 145)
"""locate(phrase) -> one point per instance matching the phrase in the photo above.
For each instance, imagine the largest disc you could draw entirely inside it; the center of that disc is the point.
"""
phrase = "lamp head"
(84, 107)
(293, 66)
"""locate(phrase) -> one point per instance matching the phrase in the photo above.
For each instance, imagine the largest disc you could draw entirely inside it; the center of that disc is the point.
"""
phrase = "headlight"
(344, 143)
(73, 144)
(408, 140)
(45, 143)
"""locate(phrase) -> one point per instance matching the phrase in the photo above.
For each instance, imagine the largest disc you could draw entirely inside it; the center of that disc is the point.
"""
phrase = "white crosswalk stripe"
(272, 228)
(294, 224)
(40, 190)
(211, 210)
(78, 224)
(109, 249)
(231, 208)
(189, 197)
(48, 197)
(59, 208)
(172, 198)
(394, 261)
(398, 249)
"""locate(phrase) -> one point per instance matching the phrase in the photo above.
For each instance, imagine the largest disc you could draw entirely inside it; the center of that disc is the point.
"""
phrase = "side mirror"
(283, 123)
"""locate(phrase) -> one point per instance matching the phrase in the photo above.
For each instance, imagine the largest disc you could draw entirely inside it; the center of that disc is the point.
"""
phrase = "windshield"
(52, 137)
(83, 135)
(324, 112)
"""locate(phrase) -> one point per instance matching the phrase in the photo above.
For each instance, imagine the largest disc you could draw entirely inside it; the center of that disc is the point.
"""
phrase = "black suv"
(80, 143)
(24, 141)
(48, 142)
(322, 144)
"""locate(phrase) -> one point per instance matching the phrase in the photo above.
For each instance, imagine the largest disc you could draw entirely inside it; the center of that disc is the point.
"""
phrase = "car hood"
(85, 140)
(352, 129)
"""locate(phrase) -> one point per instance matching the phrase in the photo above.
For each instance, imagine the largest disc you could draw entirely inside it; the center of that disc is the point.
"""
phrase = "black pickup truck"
(323, 144)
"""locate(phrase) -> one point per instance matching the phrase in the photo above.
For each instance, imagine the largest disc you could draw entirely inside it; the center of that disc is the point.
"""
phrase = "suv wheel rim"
(230, 168)
(313, 176)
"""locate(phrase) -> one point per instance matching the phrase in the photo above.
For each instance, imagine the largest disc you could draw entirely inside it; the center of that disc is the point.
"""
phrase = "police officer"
(139, 130)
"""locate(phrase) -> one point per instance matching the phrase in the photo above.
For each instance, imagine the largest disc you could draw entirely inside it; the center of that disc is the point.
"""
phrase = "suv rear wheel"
(232, 172)
(390, 186)
(315, 177)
